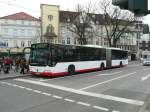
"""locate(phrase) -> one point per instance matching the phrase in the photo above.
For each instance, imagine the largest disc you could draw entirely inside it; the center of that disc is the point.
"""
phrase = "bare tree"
(81, 23)
(116, 21)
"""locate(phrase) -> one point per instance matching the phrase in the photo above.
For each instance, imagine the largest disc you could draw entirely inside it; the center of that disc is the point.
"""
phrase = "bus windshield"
(39, 57)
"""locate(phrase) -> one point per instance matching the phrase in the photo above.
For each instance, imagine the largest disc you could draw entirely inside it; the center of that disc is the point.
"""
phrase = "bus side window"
(59, 55)
(52, 57)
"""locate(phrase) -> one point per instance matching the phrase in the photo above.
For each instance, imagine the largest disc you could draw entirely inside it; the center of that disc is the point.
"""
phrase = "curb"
(13, 77)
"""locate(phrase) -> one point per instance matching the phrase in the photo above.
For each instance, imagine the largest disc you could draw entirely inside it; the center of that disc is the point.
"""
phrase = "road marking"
(21, 87)
(69, 100)
(101, 108)
(106, 97)
(8, 84)
(37, 91)
(57, 97)
(115, 111)
(145, 77)
(14, 85)
(47, 94)
(108, 81)
(44, 80)
(84, 104)
(109, 74)
(29, 89)
(3, 82)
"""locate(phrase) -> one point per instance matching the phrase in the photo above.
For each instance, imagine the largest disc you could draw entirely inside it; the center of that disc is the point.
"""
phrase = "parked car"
(146, 61)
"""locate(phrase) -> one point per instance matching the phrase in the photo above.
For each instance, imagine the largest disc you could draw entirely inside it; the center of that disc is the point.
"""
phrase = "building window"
(93, 16)
(5, 30)
(50, 17)
(63, 41)
(15, 32)
(22, 22)
(55, 41)
(6, 21)
(68, 40)
(29, 43)
(97, 41)
(22, 32)
(140, 45)
(15, 43)
(22, 43)
(29, 22)
(38, 32)
(14, 22)
(128, 47)
(6, 42)
(75, 41)
(30, 32)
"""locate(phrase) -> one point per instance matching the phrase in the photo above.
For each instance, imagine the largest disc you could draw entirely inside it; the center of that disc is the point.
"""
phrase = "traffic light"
(123, 4)
(138, 7)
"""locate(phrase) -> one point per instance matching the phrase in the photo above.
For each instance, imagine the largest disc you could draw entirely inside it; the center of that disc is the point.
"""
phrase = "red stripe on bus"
(87, 70)
(54, 74)
(66, 73)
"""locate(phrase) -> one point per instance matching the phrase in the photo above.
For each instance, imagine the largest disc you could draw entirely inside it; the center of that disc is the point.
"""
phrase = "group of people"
(16, 64)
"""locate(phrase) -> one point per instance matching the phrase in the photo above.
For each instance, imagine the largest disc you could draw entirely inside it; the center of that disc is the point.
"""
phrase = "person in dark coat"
(22, 65)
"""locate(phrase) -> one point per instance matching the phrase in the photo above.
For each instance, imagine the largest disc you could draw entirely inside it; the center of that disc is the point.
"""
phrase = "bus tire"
(102, 66)
(71, 69)
(121, 65)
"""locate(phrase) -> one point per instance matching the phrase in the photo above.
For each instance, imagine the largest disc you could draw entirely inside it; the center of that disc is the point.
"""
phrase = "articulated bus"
(48, 59)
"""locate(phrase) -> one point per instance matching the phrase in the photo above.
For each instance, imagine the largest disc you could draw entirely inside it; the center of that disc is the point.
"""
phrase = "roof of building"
(69, 16)
(20, 16)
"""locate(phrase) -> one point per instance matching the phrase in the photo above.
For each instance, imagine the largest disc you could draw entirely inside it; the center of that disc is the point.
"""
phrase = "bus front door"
(108, 58)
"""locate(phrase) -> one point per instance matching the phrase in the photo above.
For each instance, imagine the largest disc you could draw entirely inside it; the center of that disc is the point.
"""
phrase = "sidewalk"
(134, 62)
(12, 75)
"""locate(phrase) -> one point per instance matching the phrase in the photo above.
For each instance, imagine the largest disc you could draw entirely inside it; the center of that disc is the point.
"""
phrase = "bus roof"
(92, 46)
(97, 46)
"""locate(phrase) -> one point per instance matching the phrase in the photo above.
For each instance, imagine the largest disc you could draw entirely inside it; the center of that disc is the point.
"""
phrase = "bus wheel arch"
(71, 69)
(102, 66)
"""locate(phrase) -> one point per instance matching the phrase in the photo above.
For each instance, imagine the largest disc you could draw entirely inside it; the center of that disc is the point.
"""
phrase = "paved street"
(124, 89)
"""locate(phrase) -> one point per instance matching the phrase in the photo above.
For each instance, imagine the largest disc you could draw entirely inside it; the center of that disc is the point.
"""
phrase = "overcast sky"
(32, 7)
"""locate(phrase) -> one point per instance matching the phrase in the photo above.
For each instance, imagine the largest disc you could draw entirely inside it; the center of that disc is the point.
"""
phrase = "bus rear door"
(108, 58)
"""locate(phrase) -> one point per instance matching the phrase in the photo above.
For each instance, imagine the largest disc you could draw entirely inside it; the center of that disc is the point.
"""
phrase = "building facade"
(128, 40)
(56, 27)
(49, 23)
(19, 30)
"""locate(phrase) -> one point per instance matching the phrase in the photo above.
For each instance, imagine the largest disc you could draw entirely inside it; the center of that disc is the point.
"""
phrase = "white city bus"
(56, 59)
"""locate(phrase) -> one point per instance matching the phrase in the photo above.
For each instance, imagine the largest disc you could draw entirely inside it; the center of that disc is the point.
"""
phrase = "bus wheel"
(121, 64)
(71, 69)
(102, 66)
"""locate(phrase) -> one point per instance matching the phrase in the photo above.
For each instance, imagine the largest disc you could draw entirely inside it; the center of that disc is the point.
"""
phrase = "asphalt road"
(124, 89)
